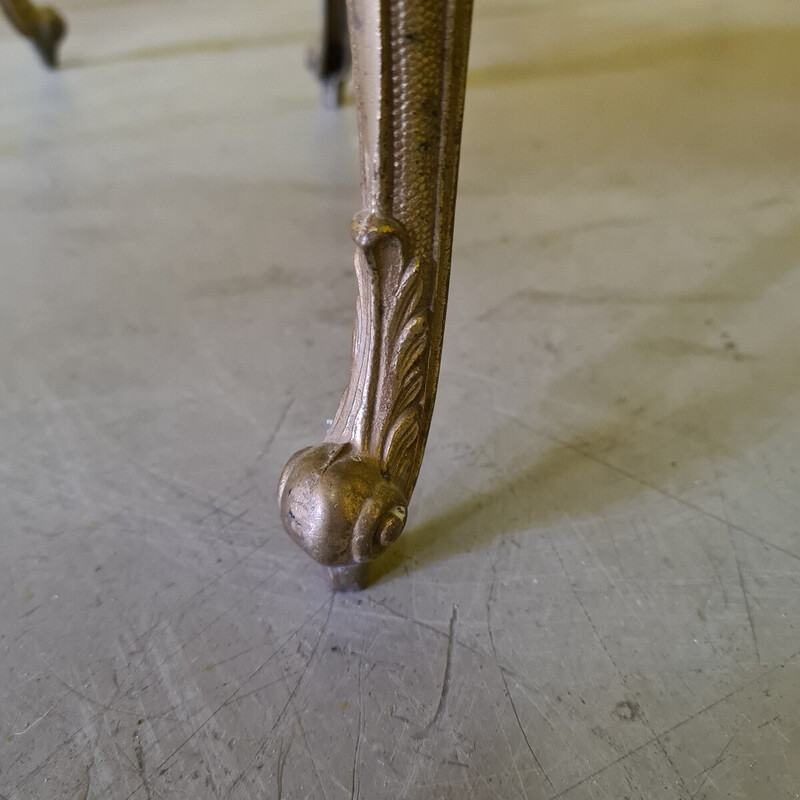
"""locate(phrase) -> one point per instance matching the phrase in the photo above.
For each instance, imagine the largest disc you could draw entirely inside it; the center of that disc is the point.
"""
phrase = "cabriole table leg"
(345, 500)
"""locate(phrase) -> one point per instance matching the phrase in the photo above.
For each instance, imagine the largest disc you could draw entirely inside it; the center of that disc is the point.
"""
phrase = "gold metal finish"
(346, 500)
(43, 25)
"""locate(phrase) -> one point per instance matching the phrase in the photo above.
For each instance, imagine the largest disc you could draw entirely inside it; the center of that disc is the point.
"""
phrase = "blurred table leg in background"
(43, 25)
(330, 60)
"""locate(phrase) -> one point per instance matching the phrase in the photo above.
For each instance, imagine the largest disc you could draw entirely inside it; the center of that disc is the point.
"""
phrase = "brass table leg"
(344, 501)
(330, 62)
(43, 25)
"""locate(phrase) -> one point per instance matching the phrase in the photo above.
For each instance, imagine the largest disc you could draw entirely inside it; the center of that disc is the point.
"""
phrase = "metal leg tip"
(347, 579)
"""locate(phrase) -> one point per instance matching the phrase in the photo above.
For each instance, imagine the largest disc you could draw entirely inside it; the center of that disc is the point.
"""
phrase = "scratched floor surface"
(599, 592)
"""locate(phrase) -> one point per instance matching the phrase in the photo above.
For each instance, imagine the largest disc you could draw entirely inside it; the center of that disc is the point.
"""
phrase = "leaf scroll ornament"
(393, 290)
(408, 339)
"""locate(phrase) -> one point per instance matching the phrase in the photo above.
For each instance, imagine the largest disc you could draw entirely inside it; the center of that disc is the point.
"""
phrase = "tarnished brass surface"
(43, 25)
(346, 500)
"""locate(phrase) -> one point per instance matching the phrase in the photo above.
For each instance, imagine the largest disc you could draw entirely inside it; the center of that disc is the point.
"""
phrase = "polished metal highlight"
(43, 25)
(346, 500)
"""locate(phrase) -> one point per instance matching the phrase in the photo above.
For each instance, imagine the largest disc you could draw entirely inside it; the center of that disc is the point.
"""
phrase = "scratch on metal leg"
(448, 670)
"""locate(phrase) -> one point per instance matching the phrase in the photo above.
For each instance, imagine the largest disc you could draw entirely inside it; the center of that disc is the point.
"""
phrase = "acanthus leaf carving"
(392, 288)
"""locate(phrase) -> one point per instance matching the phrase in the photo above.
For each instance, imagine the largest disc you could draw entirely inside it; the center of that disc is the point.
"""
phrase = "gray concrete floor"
(605, 541)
